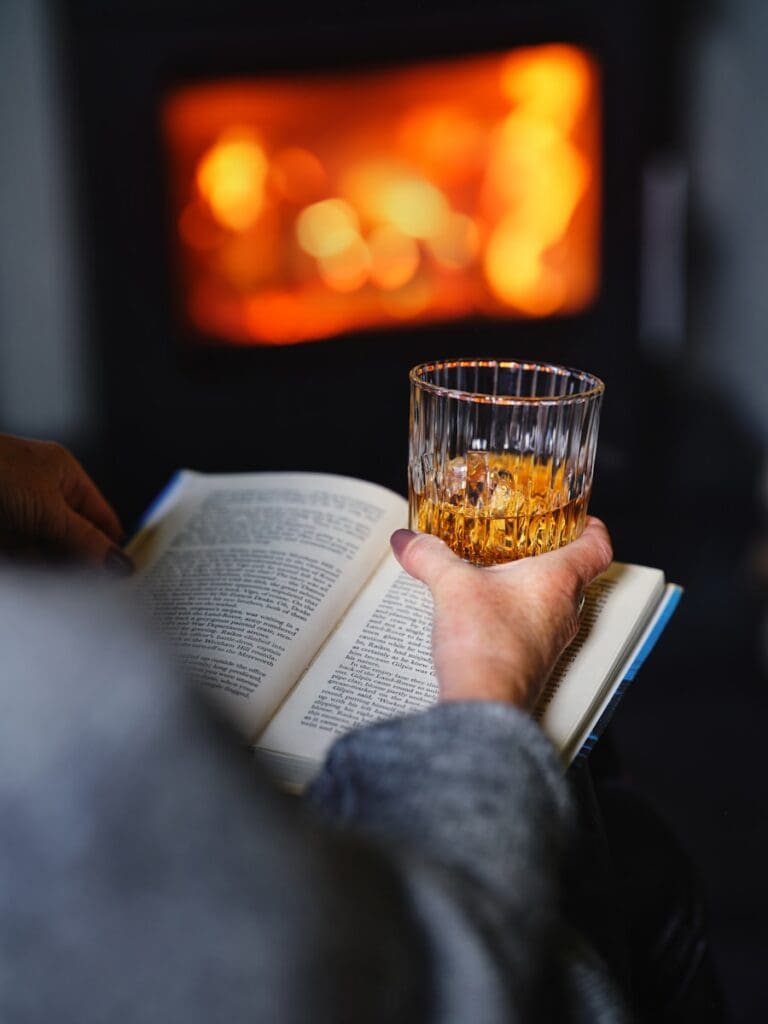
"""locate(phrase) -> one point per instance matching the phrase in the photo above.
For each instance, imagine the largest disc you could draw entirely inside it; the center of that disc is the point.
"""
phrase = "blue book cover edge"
(159, 498)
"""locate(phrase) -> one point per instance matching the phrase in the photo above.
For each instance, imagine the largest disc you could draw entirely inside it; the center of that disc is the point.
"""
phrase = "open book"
(282, 597)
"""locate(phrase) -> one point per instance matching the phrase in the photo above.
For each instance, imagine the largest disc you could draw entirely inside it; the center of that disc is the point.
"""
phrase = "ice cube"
(452, 481)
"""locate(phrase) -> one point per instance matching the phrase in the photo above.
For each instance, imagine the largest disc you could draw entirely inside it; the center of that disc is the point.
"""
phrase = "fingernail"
(405, 534)
(400, 538)
(118, 563)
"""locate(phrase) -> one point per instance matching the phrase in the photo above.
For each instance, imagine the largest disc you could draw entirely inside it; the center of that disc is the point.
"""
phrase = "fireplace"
(286, 208)
(460, 187)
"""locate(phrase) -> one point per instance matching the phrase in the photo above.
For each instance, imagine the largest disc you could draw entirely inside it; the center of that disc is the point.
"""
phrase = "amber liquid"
(497, 507)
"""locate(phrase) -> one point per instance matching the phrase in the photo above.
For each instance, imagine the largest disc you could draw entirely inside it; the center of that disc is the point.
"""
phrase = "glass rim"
(595, 387)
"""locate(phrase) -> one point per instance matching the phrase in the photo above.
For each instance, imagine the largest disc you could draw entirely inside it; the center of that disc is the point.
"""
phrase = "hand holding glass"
(501, 455)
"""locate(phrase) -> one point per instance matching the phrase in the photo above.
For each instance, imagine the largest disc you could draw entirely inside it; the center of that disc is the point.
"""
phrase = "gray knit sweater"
(148, 873)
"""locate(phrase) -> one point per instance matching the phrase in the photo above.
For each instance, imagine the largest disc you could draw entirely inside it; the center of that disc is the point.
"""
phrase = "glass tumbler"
(501, 455)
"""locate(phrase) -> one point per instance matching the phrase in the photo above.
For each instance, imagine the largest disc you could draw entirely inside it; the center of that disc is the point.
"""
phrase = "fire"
(310, 207)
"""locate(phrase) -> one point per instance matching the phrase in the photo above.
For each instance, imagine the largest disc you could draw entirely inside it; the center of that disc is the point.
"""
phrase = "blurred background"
(229, 229)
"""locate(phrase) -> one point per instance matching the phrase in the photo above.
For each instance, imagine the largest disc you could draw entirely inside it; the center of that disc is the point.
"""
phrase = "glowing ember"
(310, 207)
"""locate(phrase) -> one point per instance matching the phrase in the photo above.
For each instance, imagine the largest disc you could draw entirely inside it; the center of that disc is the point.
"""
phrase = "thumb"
(422, 555)
(82, 538)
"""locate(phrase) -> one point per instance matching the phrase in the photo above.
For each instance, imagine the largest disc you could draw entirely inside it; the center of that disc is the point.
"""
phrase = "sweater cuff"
(473, 784)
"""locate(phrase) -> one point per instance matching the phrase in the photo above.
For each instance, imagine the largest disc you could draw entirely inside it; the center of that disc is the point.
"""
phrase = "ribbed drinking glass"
(501, 455)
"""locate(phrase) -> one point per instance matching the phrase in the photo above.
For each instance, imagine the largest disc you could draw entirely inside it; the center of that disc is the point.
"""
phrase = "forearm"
(471, 800)
(474, 786)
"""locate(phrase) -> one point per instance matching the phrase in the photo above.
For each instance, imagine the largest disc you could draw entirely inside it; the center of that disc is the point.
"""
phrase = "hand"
(48, 500)
(498, 631)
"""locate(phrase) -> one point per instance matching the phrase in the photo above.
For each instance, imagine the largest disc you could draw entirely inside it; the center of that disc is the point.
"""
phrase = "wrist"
(472, 683)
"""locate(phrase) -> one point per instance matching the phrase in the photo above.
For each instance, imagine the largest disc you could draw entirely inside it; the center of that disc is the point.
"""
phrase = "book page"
(378, 663)
(616, 609)
(247, 574)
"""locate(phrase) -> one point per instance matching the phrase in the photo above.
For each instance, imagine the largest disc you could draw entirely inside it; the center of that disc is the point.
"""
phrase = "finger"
(422, 555)
(84, 497)
(82, 538)
(94, 506)
(590, 554)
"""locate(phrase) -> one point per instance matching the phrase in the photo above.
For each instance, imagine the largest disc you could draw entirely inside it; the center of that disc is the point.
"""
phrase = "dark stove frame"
(337, 405)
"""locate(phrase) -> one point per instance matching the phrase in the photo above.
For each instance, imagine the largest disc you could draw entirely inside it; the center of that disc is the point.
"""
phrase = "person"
(151, 872)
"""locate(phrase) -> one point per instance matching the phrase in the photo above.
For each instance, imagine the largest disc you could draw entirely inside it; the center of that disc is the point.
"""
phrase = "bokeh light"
(394, 257)
(327, 228)
(457, 243)
(231, 177)
(347, 269)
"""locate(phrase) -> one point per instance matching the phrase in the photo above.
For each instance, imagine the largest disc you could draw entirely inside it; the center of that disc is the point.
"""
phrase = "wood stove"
(264, 269)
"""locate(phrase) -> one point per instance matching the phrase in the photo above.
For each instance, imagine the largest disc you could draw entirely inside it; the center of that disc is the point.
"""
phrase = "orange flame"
(308, 208)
